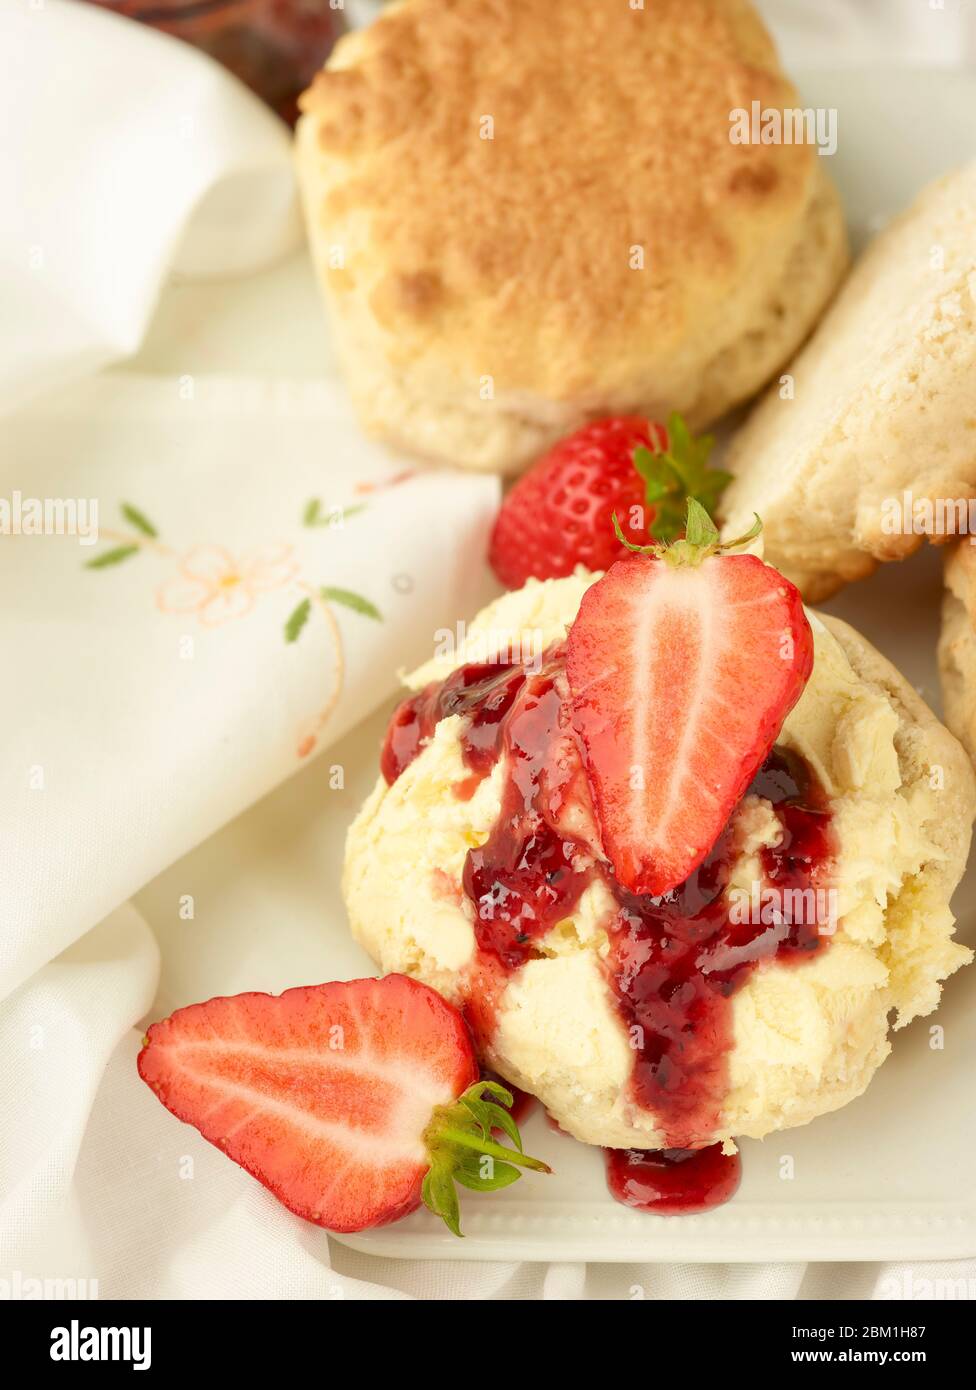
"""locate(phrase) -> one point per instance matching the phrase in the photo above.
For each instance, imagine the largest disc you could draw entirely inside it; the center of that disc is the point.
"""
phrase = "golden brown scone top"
(611, 130)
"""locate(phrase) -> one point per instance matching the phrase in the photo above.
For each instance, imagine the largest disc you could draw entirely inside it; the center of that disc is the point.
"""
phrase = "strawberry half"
(351, 1102)
(683, 663)
(559, 515)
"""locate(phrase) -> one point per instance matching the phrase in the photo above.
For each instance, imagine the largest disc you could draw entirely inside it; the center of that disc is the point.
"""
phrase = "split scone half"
(803, 1038)
(526, 214)
(868, 441)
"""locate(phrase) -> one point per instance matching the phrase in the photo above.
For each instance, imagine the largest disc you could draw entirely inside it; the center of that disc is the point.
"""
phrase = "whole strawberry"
(560, 514)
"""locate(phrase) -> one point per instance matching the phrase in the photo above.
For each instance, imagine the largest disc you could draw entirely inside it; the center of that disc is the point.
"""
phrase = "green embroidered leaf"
(139, 520)
(111, 557)
(334, 518)
(297, 620)
(356, 602)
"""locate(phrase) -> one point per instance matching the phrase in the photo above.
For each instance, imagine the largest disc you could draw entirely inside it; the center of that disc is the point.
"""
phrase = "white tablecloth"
(121, 752)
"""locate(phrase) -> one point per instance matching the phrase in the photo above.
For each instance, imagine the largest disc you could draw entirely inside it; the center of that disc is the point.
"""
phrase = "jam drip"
(673, 1182)
(528, 875)
(675, 961)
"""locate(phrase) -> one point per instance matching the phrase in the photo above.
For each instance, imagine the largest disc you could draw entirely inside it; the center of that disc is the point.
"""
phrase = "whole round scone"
(852, 462)
(805, 1036)
(525, 214)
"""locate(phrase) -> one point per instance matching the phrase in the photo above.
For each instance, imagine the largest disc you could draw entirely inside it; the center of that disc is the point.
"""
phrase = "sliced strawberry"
(682, 666)
(348, 1101)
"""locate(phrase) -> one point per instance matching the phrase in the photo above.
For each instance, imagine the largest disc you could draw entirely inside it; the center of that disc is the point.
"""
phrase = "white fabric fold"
(260, 575)
(126, 154)
(57, 1034)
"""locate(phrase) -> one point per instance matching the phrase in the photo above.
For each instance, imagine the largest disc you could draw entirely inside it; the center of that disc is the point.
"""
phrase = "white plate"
(888, 1177)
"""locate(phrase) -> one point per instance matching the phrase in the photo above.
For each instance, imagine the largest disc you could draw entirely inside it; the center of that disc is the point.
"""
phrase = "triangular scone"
(879, 403)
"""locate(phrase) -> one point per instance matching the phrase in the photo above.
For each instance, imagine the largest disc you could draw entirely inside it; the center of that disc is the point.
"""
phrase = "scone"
(526, 214)
(957, 644)
(848, 462)
(864, 797)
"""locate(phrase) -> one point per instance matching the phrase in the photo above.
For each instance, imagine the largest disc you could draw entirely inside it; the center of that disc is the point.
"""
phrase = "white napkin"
(259, 575)
(227, 578)
(125, 153)
(835, 34)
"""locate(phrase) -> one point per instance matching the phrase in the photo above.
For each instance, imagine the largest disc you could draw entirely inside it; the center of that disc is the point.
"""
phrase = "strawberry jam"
(673, 1182)
(674, 962)
(528, 874)
(483, 692)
